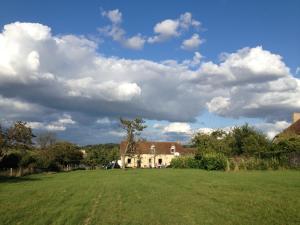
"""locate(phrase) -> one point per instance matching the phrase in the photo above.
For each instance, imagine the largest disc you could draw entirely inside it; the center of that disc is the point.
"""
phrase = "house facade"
(154, 154)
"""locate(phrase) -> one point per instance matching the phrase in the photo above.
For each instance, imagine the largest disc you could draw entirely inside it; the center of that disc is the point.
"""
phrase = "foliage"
(11, 160)
(66, 153)
(102, 154)
(287, 142)
(20, 136)
(254, 163)
(185, 162)
(217, 141)
(60, 155)
(213, 161)
(46, 139)
(246, 141)
(207, 161)
(133, 129)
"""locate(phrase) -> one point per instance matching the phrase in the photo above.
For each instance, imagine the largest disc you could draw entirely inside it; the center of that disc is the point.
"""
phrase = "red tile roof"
(294, 128)
(144, 147)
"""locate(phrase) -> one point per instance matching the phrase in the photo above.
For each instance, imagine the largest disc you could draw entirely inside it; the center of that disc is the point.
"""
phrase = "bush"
(254, 163)
(208, 161)
(274, 163)
(185, 162)
(213, 161)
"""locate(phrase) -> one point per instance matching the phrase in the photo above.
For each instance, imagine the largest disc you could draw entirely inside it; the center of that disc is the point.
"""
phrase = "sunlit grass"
(165, 196)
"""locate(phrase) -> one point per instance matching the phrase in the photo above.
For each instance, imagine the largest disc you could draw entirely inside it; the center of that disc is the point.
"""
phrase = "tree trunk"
(123, 155)
(21, 171)
(123, 161)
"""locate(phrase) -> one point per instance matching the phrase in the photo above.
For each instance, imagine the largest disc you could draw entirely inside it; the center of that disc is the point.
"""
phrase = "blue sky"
(267, 28)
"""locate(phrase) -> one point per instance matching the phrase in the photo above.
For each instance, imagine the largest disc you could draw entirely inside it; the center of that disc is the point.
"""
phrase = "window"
(172, 149)
(152, 149)
(149, 160)
(159, 161)
(128, 161)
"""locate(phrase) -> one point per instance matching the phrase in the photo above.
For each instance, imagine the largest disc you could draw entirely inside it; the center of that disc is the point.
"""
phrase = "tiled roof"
(294, 128)
(144, 147)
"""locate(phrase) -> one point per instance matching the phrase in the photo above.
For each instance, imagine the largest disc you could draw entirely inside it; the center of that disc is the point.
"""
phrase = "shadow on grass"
(5, 179)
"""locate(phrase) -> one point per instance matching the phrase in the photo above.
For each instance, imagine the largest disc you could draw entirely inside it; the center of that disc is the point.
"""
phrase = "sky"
(76, 67)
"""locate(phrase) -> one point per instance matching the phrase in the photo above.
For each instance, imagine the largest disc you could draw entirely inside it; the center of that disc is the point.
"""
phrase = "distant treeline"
(23, 152)
(243, 147)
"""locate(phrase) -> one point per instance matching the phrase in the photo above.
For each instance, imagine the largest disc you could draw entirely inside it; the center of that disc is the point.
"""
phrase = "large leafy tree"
(20, 136)
(246, 141)
(217, 141)
(133, 129)
(100, 155)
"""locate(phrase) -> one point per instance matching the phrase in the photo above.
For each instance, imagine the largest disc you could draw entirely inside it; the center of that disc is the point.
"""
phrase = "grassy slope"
(152, 197)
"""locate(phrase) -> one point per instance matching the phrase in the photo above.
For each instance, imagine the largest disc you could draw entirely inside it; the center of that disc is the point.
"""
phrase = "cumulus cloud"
(59, 125)
(178, 128)
(194, 62)
(44, 75)
(192, 43)
(115, 16)
(272, 129)
(117, 33)
(169, 28)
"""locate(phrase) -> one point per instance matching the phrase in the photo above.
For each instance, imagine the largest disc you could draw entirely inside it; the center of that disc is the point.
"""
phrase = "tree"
(101, 154)
(133, 129)
(20, 136)
(286, 142)
(46, 140)
(66, 154)
(247, 141)
(217, 141)
(3, 142)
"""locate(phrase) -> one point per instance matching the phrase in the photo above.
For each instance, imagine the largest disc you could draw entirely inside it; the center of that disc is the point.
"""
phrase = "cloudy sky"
(183, 66)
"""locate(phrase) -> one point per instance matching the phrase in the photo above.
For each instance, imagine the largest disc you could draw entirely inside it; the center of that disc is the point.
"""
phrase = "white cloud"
(205, 130)
(68, 74)
(186, 21)
(297, 70)
(59, 125)
(11, 104)
(108, 90)
(104, 120)
(136, 42)
(118, 34)
(33, 60)
(192, 43)
(177, 127)
(195, 61)
(115, 16)
(169, 28)
(165, 30)
(65, 119)
(218, 104)
(272, 129)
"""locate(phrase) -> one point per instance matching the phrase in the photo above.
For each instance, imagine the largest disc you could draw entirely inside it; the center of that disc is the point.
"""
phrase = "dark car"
(112, 165)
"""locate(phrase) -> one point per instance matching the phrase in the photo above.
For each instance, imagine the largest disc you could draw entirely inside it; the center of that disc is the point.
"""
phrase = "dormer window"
(173, 149)
(152, 149)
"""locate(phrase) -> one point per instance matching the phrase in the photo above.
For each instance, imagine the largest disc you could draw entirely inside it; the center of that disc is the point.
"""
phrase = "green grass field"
(165, 196)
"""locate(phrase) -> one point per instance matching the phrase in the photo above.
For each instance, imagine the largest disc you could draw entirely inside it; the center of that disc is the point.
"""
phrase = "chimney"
(296, 117)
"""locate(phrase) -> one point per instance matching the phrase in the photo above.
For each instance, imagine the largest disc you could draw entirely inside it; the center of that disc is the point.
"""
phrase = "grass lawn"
(165, 196)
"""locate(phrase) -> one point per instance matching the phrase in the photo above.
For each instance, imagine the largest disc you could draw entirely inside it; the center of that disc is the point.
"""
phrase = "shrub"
(274, 164)
(213, 161)
(184, 162)
(232, 164)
